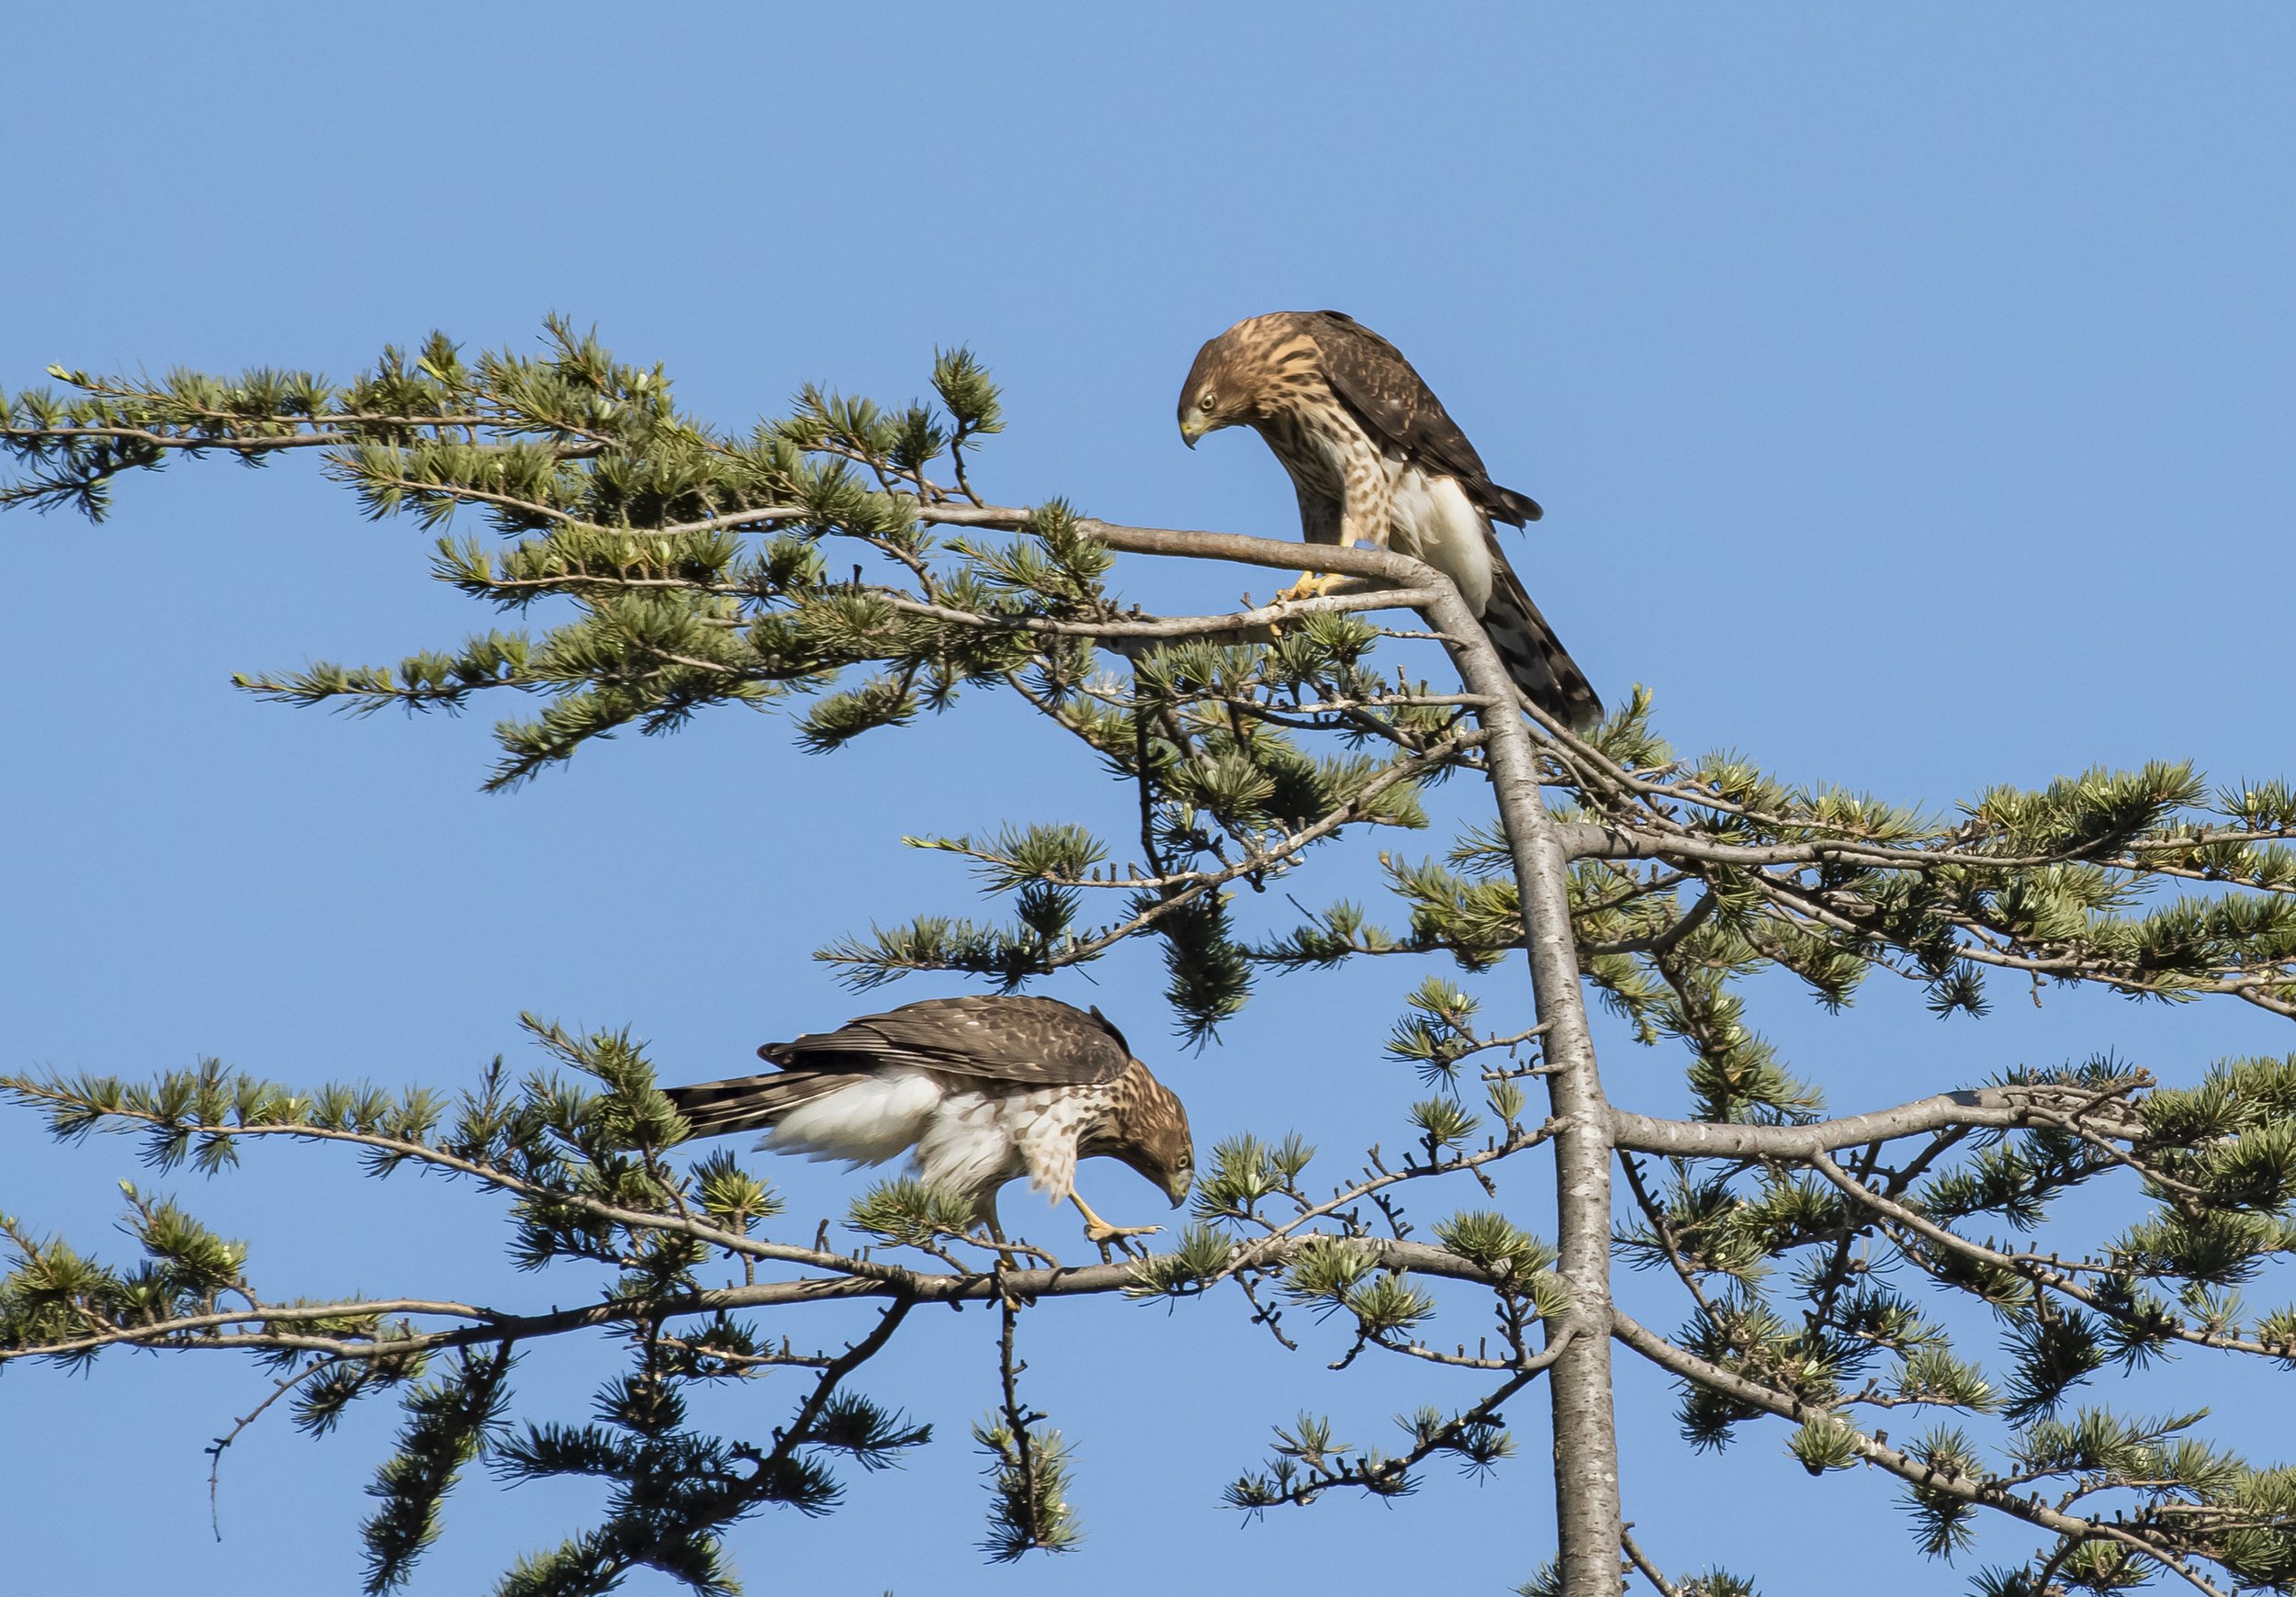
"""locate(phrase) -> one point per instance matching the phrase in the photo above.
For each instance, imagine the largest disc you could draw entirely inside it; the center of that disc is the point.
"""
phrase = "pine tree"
(839, 564)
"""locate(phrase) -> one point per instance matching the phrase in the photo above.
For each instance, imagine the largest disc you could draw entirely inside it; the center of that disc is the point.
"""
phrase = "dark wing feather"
(1397, 407)
(1026, 1041)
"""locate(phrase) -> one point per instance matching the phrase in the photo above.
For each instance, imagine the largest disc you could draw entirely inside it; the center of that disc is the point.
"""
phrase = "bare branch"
(1995, 1106)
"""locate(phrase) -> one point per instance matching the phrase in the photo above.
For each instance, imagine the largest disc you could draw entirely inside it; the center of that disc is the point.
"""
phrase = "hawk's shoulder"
(1397, 408)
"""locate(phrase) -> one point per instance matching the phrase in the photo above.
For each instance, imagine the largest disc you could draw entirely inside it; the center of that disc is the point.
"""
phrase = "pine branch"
(1926, 1480)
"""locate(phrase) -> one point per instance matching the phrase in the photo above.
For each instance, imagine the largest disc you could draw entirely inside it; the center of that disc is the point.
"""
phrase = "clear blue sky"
(1908, 390)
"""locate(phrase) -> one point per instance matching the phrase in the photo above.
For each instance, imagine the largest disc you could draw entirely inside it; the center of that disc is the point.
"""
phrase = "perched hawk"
(1376, 459)
(976, 1090)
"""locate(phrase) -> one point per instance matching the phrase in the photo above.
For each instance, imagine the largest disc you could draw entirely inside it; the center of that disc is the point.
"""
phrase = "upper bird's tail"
(1535, 657)
(1503, 504)
(749, 1102)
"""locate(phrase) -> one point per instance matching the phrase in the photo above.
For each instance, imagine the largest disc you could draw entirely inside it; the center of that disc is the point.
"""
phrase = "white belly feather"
(867, 1123)
(1434, 522)
(962, 1141)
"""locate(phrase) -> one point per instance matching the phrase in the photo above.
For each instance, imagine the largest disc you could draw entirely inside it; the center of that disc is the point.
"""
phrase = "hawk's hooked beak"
(1192, 427)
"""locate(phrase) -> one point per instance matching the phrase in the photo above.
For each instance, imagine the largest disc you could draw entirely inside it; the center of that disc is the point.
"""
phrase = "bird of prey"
(978, 1090)
(1376, 459)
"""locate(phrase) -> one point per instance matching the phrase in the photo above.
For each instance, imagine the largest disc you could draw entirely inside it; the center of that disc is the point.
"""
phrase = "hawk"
(978, 1090)
(1376, 459)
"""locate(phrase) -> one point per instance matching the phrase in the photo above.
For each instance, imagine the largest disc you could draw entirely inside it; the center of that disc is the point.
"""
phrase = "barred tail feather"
(1535, 657)
(749, 1102)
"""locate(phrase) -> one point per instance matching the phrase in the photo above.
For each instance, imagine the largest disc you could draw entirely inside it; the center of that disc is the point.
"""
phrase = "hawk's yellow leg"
(1100, 1230)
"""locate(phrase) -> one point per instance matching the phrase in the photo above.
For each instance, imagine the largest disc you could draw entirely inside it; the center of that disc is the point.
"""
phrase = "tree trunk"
(1587, 1508)
(1588, 1517)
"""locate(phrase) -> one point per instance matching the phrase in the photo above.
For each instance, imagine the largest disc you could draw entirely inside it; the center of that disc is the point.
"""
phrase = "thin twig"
(1636, 1556)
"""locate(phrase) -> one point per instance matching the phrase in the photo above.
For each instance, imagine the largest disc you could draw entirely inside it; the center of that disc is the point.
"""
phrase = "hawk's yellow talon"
(1311, 585)
(1100, 1230)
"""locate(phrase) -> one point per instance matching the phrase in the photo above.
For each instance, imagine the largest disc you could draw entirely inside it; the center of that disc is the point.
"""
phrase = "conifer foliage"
(838, 565)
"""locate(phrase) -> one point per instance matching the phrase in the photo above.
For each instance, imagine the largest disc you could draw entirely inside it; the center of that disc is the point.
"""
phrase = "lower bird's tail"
(1535, 657)
(750, 1102)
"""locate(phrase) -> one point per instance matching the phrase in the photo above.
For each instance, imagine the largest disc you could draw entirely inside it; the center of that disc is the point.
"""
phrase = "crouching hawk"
(978, 1091)
(1375, 458)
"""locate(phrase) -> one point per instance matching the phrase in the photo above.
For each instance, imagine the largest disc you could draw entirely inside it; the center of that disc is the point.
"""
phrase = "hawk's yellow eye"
(1205, 403)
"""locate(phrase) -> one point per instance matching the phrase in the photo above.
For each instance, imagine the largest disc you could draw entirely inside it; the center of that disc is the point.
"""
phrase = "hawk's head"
(1148, 1131)
(1222, 387)
(1259, 369)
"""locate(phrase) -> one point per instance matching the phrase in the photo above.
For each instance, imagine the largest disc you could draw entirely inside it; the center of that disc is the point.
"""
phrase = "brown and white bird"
(1378, 461)
(978, 1090)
